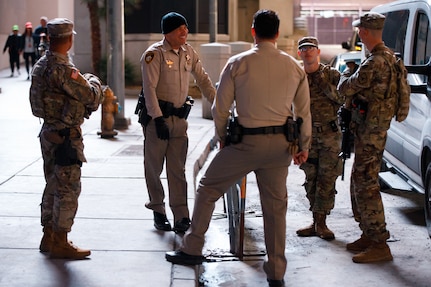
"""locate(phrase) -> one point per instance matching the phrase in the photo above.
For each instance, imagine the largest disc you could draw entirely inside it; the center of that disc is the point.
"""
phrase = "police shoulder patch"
(149, 57)
(74, 74)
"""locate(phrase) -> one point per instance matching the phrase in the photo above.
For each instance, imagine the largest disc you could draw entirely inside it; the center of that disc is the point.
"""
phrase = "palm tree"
(96, 13)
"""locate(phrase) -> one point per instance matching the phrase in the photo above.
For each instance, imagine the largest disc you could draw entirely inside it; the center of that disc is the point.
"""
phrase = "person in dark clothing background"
(12, 45)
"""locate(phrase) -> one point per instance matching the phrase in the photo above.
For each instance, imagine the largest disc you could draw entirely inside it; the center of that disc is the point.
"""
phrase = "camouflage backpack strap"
(403, 91)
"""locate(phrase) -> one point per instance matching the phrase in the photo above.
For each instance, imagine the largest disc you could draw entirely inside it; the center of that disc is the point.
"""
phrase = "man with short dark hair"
(269, 88)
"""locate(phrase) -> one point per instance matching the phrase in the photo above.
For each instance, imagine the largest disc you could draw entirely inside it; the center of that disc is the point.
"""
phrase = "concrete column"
(214, 57)
(115, 19)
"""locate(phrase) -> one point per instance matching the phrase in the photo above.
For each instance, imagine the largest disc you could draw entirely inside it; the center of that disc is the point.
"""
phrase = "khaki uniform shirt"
(166, 76)
(268, 86)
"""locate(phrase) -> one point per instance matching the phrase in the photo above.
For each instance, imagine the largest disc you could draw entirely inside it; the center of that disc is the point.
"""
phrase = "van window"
(421, 51)
(394, 31)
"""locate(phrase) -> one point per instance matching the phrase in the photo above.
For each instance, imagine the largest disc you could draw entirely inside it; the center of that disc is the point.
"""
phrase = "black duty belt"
(263, 130)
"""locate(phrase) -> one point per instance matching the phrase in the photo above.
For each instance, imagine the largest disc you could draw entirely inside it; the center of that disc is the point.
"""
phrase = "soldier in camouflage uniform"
(372, 109)
(323, 165)
(63, 97)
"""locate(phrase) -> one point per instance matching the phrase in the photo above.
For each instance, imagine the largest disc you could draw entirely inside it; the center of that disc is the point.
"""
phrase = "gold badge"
(169, 63)
(188, 59)
(149, 57)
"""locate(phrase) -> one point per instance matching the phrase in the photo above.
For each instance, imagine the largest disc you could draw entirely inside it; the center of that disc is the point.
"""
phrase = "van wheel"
(428, 199)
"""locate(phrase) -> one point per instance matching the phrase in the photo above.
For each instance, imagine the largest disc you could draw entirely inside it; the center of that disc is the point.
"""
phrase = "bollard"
(109, 110)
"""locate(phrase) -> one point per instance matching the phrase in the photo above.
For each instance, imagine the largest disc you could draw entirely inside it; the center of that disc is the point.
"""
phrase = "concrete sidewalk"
(127, 250)
(111, 221)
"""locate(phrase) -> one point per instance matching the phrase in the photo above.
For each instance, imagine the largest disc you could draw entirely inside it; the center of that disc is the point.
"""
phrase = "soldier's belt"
(263, 130)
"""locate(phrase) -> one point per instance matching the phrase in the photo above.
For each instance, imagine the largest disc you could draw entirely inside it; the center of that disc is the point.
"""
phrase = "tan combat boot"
(321, 229)
(359, 245)
(63, 249)
(377, 252)
(46, 242)
(307, 231)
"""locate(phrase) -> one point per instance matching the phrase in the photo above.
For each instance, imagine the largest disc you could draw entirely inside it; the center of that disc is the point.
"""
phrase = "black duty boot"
(182, 225)
(161, 222)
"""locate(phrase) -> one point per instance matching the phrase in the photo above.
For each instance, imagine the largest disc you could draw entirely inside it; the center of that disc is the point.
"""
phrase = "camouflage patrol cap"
(60, 27)
(308, 41)
(371, 20)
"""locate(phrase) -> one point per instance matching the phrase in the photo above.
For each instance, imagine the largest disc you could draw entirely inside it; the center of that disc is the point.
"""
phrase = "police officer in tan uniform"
(371, 108)
(265, 83)
(323, 165)
(63, 97)
(166, 67)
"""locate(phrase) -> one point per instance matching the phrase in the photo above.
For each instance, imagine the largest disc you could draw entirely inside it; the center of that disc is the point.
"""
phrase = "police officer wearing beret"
(371, 108)
(63, 98)
(268, 86)
(166, 68)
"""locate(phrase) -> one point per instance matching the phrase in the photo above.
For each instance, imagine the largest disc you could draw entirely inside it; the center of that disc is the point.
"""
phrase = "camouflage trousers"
(365, 195)
(321, 171)
(62, 189)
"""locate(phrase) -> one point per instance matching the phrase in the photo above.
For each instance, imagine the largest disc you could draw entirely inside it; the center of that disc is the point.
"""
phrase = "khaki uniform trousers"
(174, 151)
(268, 157)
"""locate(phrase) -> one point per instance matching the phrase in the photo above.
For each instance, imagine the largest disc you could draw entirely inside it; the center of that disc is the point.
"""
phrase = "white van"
(407, 156)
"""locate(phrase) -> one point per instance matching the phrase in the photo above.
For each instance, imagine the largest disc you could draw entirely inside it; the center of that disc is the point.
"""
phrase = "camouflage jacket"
(370, 83)
(324, 97)
(60, 94)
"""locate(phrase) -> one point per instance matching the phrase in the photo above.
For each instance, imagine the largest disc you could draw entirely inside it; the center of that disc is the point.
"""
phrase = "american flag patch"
(75, 73)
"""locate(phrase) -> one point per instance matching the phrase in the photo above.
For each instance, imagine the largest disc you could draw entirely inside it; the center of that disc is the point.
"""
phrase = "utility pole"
(115, 35)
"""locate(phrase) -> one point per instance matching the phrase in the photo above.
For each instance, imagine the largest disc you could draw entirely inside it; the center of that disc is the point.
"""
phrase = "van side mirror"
(421, 70)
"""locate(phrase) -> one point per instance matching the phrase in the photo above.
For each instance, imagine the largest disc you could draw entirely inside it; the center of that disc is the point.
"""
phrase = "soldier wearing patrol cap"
(371, 108)
(323, 165)
(166, 67)
(63, 97)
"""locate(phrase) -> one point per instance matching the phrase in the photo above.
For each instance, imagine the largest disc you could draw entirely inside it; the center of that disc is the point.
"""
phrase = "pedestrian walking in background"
(39, 30)
(166, 68)
(28, 47)
(372, 109)
(63, 98)
(12, 45)
(323, 165)
(269, 88)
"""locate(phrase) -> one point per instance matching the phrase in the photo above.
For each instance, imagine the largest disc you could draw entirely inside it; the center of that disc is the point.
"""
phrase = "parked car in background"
(407, 156)
(339, 61)
(353, 43)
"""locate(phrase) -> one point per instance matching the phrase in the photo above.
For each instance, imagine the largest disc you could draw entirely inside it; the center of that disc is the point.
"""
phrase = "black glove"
(162, 128)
